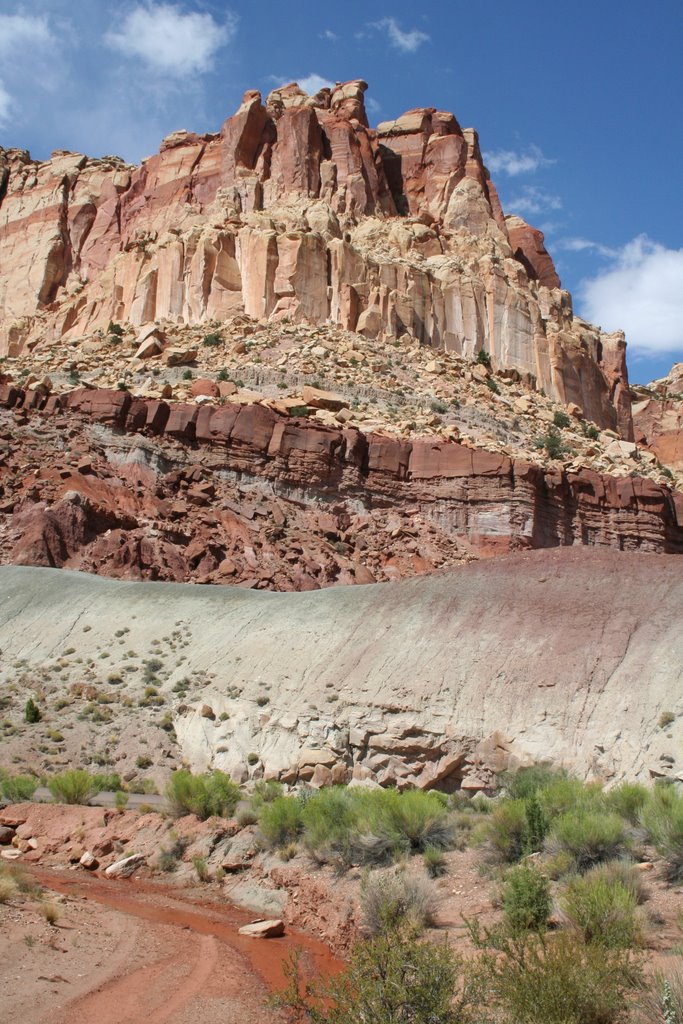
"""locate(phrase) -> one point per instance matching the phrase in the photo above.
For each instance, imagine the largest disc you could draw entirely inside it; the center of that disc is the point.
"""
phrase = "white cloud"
(314, 83)
(5, 105)
(407, 42)
(534, 200)
(372, 106)
(585, 245)
(514, 162)
(19, 31)
(641, 293)
(328, 34)
(170, 41)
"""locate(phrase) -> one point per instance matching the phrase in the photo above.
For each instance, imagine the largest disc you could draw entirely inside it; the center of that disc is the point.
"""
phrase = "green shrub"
(526, 899)
(564, 794)
(504, 832)
(392, 899)
(666, 718)
(527, 782)
(72, 787)
(414, 817)
(662, 818)
(32, 712)
(591, 432)
(212, 340)
(204, 795)
(483, 358)
(534, 979)
(535, 827)
(246, 816)
(17, 788)
(561, 419)
(8, 888)
(434, 862)
(627, 799)
(492, 385)
(121, 799)
(202, 868)
(588, 837)
(115, 329)
(143, 761)
(391, 979)
(602, 910)
(265, 791)
(552, 442)
(281, 820)
(328, 819)
(437, 405)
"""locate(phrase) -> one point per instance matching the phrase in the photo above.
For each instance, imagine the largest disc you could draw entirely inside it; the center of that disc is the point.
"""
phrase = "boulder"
(6, 835)
(125, 867)
(89, 862)
(264, 929)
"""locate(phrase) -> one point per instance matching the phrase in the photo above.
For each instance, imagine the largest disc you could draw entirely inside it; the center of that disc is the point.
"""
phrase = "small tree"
(32, 712)
(483, 358)
(536, 827)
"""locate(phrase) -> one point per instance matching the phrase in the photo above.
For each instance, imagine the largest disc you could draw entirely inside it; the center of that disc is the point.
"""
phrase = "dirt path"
(133, 952)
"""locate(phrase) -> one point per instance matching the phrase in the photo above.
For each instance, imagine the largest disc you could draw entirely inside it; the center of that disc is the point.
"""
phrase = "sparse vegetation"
(17, 788)
(395, 899)
(203, 795)
(602, 910)
(72, 787)
(526, 899)
(32, 713)
(561, 419)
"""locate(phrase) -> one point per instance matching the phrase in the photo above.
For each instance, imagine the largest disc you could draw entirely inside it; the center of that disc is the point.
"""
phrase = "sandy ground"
(124, 953)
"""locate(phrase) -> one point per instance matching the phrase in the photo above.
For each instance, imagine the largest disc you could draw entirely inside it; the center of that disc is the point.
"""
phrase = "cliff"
(297, 211)
(100, 480)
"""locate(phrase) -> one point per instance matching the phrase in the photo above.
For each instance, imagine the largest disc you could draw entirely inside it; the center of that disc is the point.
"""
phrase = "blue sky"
(577, 106)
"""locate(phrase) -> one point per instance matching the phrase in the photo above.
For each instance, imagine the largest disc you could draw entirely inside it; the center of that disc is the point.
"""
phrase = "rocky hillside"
(442, 680)
(298, 212)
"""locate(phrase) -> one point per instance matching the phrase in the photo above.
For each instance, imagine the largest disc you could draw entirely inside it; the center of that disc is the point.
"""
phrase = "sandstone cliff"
(658, 419)
(97, 479)
(298, 211)
(437, 681)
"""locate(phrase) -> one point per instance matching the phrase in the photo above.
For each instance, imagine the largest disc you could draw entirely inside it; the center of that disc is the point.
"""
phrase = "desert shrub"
(492, 385)
(434, 862)
(281, 820)
(589, 837)
(8, 888)
(390, 979)
(527, 782)
(662, 818)
(417, 818)
(121, 799)
(392, 899)
(17, 788)
(246, 816)
(535, 827)
(623, 871)
(168, 856)
(531, 978)
(627, 799)
(503, 832)
(143, 761)
(483, 358)
(564, 794)
(661, 1002)
(666, 718)
(32, 712)
(437, 405)
(526, 899)
(202, 868)
(265, 791)
(106, 782)
(50, 912)
(552, 442)
(602, 910)
(591, 432)
(328, 819)
(561, 419)
(72, 787)
(115, 329)
(204, 795)
(212, 340)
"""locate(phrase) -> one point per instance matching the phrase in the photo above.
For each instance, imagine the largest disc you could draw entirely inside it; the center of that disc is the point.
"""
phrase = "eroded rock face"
(298, 210)
(658, 419)
(439, 681)
(241, 493)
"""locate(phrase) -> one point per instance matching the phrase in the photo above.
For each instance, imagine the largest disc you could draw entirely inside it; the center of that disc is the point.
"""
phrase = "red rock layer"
(99, 480)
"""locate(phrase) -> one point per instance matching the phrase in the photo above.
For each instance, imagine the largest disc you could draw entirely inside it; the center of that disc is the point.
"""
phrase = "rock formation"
(658, 419)
(298, 211)
(242, 493)
(439, 681)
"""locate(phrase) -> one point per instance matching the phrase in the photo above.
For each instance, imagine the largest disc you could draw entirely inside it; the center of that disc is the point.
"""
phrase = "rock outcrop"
(439, 681)
(297, 210)
(242, 493)
(658, 419)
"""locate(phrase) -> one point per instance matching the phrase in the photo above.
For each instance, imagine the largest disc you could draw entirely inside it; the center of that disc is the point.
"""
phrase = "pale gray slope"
(566, 654)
